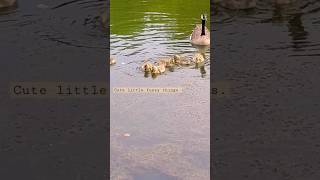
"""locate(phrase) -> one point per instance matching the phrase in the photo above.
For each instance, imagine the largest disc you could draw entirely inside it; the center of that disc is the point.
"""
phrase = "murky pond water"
(50, 41)
(269, 56)
(37, 28)
(169, 133)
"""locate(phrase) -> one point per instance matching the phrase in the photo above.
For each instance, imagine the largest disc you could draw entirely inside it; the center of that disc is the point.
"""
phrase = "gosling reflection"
(203, 71)
(146, 74)
(198, 58)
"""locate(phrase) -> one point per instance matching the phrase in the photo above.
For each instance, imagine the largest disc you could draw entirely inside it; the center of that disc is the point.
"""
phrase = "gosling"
(198, 58)
(179, 60)
(112, 61)
(158, 69)
(166, 61)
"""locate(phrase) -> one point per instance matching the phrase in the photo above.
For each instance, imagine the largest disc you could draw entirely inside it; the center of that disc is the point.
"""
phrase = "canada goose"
(198, 58)
(7, 3)
(238, 4)
(200, 34)
(166, 61)
(112, 61)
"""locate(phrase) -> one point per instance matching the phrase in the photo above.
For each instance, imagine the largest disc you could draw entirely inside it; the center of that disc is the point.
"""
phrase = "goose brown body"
(200, 34)
(197, 38)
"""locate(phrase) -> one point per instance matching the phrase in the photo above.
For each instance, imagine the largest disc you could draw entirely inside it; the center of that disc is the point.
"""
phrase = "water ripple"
(299, 21)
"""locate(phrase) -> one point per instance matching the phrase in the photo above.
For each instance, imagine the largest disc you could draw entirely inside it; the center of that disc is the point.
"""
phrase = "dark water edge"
(50, 139)
(268, 125)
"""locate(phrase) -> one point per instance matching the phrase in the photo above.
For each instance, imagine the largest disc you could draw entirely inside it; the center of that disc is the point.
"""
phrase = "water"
(38, 28)
(169, 133)
(50, 41)
(269, 57)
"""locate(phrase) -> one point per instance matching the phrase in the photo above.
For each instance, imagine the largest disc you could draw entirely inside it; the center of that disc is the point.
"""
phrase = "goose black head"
(203, 22)
(203, 17)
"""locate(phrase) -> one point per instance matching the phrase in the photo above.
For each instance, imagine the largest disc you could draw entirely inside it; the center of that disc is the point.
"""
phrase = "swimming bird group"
(159, 67)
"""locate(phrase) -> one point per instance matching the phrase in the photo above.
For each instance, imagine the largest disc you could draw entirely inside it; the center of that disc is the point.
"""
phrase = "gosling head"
(146, 67)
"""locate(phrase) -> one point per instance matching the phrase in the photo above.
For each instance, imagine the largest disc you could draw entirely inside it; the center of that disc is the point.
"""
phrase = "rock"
(283, 2)
(198, 58)
(7, 3)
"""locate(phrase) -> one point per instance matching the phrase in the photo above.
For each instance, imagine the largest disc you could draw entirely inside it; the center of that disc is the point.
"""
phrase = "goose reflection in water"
(293, 16)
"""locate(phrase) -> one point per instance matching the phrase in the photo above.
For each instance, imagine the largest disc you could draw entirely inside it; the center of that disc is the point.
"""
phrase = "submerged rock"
(7, 3)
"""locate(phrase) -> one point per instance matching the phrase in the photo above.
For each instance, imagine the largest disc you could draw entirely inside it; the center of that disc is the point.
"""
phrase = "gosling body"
(179, 60)
(146, 67)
